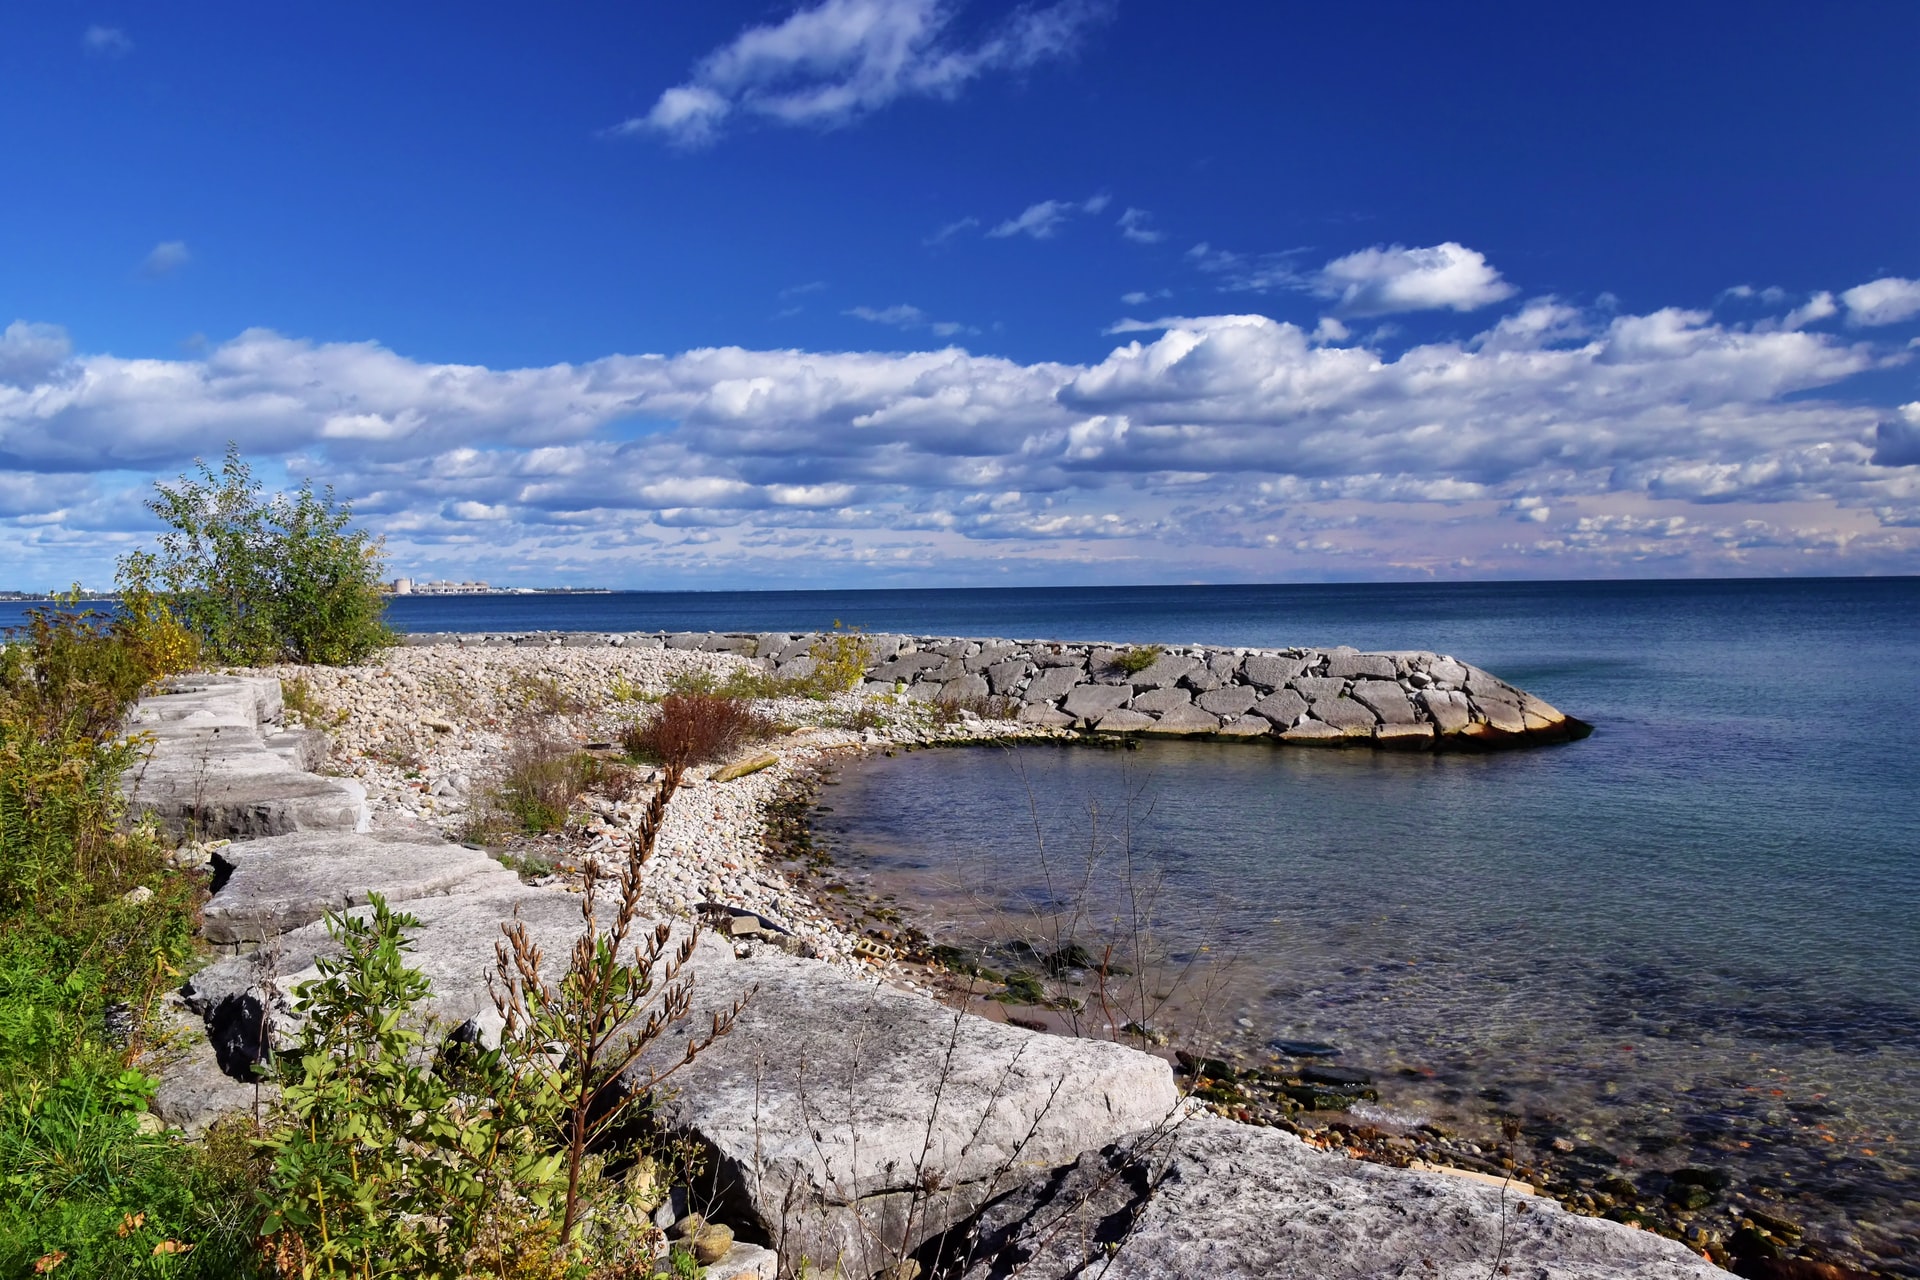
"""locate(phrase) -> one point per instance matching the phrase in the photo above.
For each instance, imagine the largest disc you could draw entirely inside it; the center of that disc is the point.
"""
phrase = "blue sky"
(919, 292)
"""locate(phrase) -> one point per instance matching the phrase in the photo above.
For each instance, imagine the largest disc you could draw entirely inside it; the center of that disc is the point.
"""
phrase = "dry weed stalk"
(623, 989)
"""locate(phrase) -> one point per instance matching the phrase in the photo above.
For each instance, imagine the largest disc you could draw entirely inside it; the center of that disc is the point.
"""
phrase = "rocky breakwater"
(1414, 700)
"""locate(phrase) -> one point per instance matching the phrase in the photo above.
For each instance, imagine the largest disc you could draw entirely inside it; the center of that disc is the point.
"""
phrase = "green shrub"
(264, 580)
(1134, 661)
(84, 1191)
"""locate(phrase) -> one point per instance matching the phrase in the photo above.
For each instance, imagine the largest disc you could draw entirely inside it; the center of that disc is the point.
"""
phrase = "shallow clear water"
(1694, 936)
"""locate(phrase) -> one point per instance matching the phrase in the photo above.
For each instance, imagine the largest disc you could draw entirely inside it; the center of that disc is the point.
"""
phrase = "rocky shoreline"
(410, 744)
(1404, 700)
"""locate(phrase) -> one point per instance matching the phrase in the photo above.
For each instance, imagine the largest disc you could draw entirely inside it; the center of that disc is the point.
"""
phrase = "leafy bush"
(390, 1158)
(695, 728)
(264, 580)
(83, 1189)
(1134, 661)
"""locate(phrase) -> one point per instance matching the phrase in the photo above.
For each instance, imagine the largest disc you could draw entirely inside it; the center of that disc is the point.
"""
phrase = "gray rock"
(209, 771)
(990, 653)
(1410, 737)
(1005, 677)
(1091, 701)
(1123, 721)
(1059, 656)
(907, 667)
(799, 668)
(1448, 708)
(304, 749)
(1354, 666)
(1224, 666)
(687, 640)
(1164, 673)
(1282, 708)
(1160, 701)
(1343, 713)
(968, 688)
(1447, 673)
(275, 885)
(1210, 1198)
(1501, 714)
(1180, 722)
(1246, 727)
(1051, 683)
(1313, 733)
(1041, 713)
(1269, 671)
(1229, 700)
(1316, 688)
(1201, 679)
(834, 1103)
(1387, 699)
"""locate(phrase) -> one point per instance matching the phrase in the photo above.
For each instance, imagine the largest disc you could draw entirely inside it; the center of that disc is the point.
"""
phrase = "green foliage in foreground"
(261, 580)
(83, 1190)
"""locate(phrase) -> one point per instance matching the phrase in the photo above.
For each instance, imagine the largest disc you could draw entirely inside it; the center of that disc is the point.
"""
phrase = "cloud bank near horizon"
(1556, 441)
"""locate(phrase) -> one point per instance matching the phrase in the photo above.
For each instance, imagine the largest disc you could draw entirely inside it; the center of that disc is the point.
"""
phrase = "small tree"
(264, 579)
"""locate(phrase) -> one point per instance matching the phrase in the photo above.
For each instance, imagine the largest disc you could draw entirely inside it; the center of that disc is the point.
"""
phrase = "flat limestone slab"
(275, 885)
(210, 771)
(834, 1099)
(1213, 1200)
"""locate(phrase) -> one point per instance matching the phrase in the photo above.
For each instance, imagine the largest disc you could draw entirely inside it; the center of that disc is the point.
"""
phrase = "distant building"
(403, 586)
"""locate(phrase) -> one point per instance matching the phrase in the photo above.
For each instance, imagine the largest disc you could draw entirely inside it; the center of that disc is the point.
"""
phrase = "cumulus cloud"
(1888, 300)
(29, 353)
(166, 258)
(1897, 440)
(1384, 280)
(1200, 438)
(838, 60)
(106, 42)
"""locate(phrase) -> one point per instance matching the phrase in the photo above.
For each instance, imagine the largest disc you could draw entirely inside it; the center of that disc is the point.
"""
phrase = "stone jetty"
(850, 1127)
(1338, 697)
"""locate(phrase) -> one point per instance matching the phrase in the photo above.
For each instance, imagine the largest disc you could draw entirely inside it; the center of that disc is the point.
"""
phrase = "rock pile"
(1300, 696)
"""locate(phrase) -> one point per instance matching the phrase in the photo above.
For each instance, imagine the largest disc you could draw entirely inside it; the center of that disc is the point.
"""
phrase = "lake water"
(1693, 937)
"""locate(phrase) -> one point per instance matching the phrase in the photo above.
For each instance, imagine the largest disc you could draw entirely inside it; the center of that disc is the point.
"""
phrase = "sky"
(847, 293)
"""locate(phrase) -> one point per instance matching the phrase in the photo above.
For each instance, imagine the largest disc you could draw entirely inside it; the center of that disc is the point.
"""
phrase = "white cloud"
(1038, 220)
(838, 60)
(1887, 300)
(949, 230)
(1137, 226)
(902, 316)
(1042, 220)
(1384, 280)
(106, 42)
(1203, 438)
(166, 257)
(30, 353)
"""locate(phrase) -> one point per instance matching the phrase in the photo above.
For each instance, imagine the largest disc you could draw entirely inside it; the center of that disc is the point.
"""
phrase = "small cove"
(1688, 940)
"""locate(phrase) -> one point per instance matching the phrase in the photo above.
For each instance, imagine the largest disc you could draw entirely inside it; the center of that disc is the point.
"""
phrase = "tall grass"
(695, 728)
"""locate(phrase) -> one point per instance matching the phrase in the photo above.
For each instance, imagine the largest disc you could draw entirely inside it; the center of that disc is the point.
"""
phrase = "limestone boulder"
(848, 1122)
(1161, 701)
(272, 886)
(1052, 683)
(1228, 700)
(1213, 1200)
(1182, 722)
(1282, 707)
(1386, 699)
(1357, 666)
(1091, 701)
(1268, 671)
